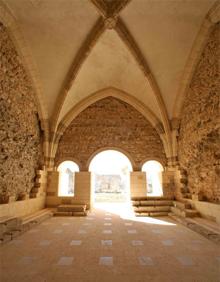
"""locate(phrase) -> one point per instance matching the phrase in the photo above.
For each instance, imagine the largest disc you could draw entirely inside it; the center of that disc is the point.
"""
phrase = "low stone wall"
(208, 210)
(22, 208)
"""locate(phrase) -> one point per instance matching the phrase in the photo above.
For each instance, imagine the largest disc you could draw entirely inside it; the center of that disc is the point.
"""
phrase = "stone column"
(168, 183)
(138, 184)
(52, 198)
(83, 189)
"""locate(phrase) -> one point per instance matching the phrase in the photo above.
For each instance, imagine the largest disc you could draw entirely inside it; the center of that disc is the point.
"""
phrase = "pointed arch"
(113, 92)
(101, 94)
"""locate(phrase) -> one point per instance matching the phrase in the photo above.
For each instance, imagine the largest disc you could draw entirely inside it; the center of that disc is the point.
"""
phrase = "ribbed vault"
(148, 49)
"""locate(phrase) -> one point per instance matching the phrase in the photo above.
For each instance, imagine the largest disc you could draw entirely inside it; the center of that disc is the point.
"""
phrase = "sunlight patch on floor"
(125, 211)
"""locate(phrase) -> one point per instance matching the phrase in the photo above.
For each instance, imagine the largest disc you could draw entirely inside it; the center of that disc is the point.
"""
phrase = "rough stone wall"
(110, 123)
(199, 140)
(20, 141)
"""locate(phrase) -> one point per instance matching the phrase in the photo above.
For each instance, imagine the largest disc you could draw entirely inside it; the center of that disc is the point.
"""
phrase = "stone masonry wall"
(199, 140)
(110, 123)
(20, 141)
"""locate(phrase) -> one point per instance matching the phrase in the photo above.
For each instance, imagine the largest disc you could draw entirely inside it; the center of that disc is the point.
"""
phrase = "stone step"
(136, 203)
(60, 213)
(156, 203)
(177, 211)
(185, 212)
(191, 213)
(182, 205)
(152, 214)
(71, 208)
(152, 209)
(209, 225)
(149, 198)
(66, 213)
(152, 206)
(198, 226)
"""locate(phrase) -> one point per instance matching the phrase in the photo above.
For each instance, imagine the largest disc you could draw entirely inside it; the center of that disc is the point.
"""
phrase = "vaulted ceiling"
(80, 47)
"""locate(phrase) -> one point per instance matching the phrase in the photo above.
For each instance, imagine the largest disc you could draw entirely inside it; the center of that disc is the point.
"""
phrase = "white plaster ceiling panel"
(165, 31)
(110, 64)
(54, 31)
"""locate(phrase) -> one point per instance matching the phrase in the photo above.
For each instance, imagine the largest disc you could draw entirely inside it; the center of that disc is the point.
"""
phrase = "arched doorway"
(153, 171)
(67, 171)
(110, 177)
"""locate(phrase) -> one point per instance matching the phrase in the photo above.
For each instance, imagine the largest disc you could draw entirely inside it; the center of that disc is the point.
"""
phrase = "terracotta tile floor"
(78, 249)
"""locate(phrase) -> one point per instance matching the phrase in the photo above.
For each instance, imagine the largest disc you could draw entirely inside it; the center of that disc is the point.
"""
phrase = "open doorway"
(110, 177)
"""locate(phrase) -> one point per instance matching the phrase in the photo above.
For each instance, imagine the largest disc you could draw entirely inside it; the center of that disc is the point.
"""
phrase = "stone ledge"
(200, 228)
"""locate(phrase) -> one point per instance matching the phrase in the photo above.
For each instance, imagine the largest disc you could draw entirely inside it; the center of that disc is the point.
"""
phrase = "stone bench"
(185, 212)
(10, 227)
(151, 214)
(35, 218)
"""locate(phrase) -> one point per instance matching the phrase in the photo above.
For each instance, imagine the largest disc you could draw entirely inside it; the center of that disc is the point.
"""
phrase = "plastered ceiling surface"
(164, 31)
(54, 31)
(110, 64)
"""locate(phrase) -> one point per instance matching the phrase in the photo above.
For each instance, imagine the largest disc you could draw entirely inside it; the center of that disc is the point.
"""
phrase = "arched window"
(67, 171)
(153, 171)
